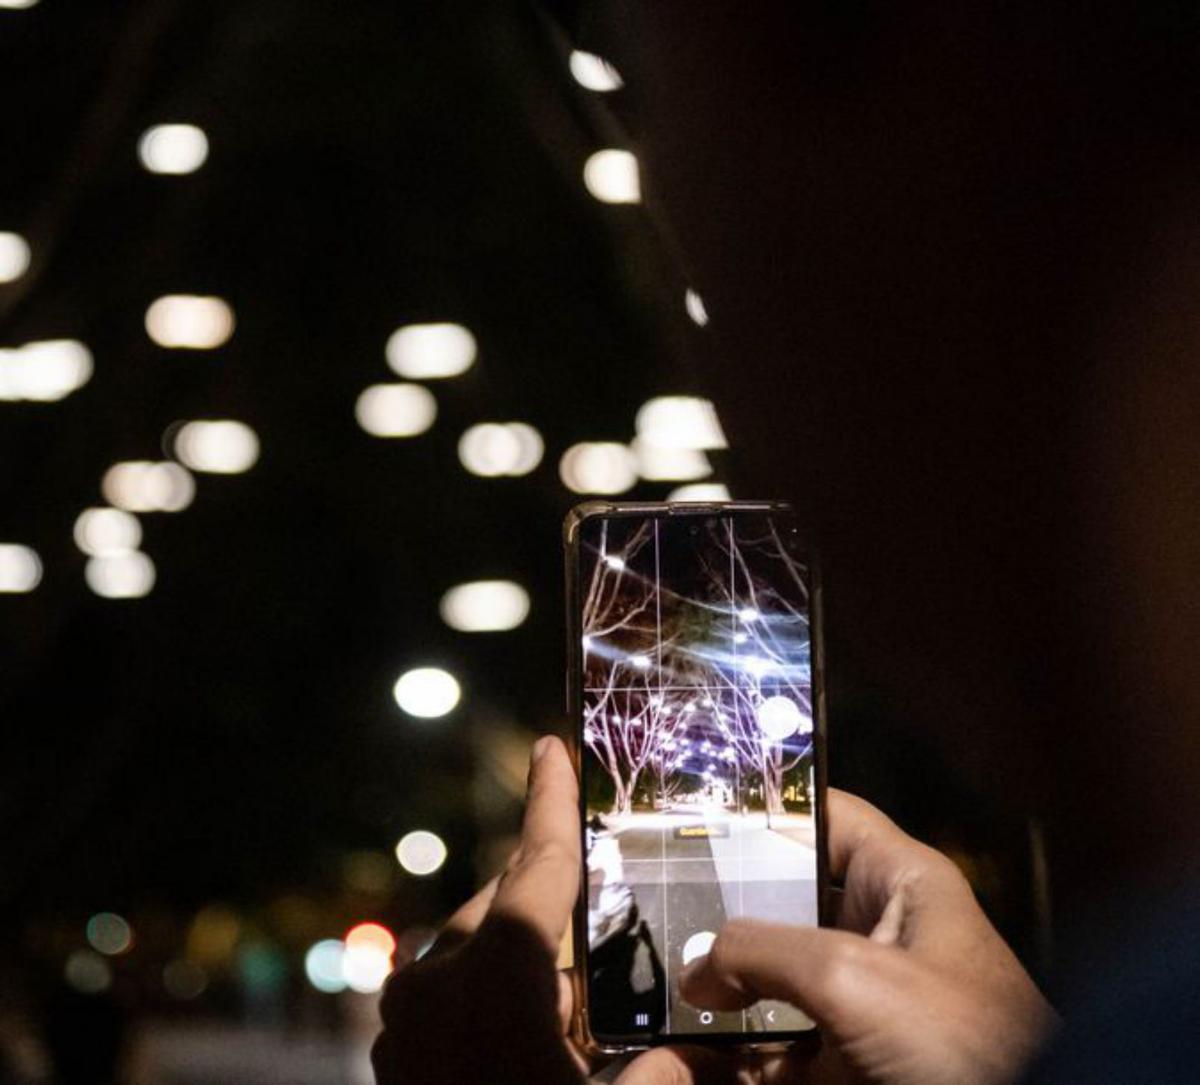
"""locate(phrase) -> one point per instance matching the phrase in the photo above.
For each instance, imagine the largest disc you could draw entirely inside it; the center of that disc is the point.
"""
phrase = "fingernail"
(539, 749)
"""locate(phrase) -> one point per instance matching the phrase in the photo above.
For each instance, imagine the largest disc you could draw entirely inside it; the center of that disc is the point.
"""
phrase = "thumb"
(834, 976)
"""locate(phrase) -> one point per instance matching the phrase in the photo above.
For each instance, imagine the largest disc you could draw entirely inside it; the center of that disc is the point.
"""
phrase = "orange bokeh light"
(371, 934)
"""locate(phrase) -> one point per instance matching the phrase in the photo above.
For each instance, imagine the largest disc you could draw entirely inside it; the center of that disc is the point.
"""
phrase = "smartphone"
(694, 684)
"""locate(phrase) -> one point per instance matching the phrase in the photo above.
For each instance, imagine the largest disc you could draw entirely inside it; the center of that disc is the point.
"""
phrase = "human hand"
(486, 1003)
(917, 988)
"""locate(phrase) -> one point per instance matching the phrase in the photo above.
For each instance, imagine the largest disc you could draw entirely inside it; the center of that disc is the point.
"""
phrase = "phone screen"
(698, 785)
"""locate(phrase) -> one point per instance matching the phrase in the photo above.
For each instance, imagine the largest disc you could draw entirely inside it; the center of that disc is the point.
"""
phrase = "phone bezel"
(619, 1043)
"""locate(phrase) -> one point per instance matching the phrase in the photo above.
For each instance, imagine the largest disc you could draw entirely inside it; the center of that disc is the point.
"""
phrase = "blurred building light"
(16, 5)
(365, 968)
(371, 934)
(184, 980)
(323, 966)
(594, 73)
(109, 933)
(431, 351)
(213, 936)
(700, 491)
(173, 148)
(612, 176)
(44, 371)
(395, 410)
(14, 256)
(694, 304)
(485, 606)
(189, 321)
(222, 447)
(500, 448)
(87, 972)
(129, 575)
(680, 422)
(659, 462)
(142, 486)
(598, 467)
(421, 852)
(427, 692)
(101, 532)
(20, 568)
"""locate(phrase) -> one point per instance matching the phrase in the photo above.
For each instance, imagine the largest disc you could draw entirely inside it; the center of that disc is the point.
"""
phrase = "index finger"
(541, 886)
(879, 862)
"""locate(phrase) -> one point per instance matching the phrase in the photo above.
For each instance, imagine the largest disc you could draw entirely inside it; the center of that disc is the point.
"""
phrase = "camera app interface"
(698, 757)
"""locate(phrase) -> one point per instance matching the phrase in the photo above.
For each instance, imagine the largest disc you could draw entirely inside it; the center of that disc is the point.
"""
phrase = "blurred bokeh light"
(485, 606)
(143, 486)
(14, 256)
(395, 410)
(101, 531)
(173, 148)
(219, 447)
(594, 72)
(490, 449)
(189, 322)
(127, 574)
(427, 692)
(431, 351)
(612, 176)
(20, 568)
(421, 852)
(44, 371)
(598, 467)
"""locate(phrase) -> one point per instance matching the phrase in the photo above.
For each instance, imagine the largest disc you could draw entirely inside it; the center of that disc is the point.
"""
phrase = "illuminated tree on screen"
(624, 722)
(756, 673)
(715, 688)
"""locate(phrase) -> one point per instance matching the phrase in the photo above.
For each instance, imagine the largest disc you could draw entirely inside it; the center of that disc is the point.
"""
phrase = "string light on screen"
(220, 447)
(694, 304)
(612, 176)
(485, 606)
(491, 449)
(431, 351)
(594, 73)
(173, 148)
(680, 422)
(427, 692)
(44, 371)
(20, 568)
(189, 322)
(142, 486)
(780, 717)
(395, 410)
(14, 256)
(700, 491)
(598, 467)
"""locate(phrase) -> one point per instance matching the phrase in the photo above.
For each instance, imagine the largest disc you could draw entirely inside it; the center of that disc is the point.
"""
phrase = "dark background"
(883, 308)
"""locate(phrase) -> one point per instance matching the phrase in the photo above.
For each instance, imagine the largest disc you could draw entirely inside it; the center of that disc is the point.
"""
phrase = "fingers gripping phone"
(694, 685)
